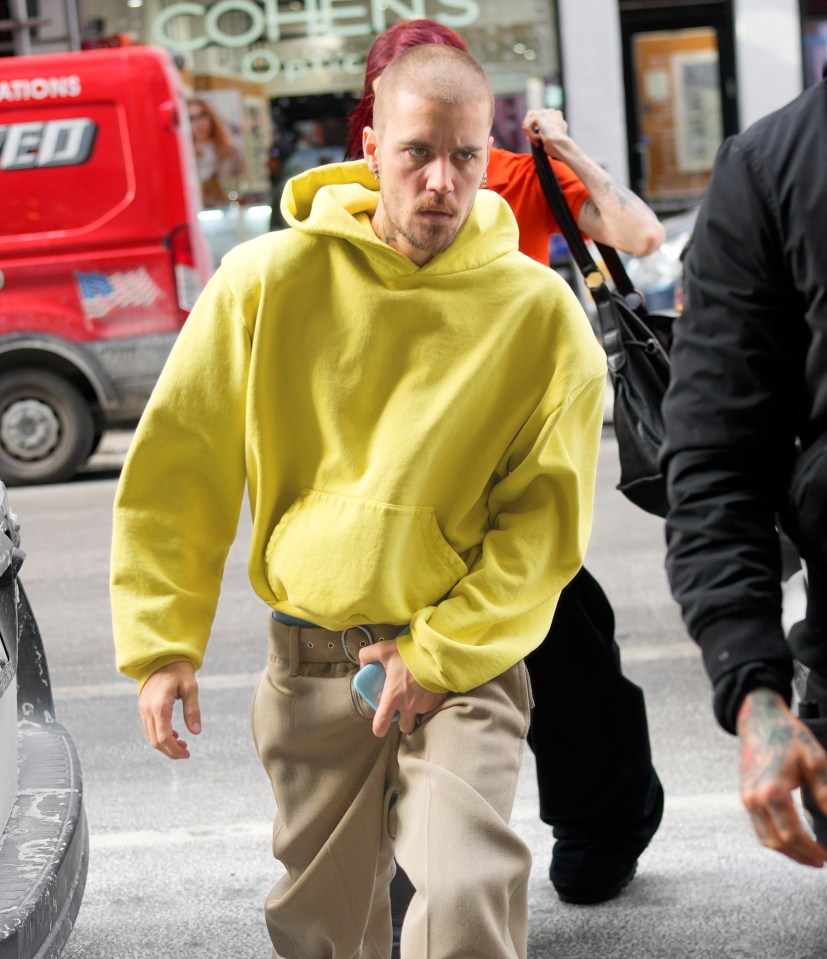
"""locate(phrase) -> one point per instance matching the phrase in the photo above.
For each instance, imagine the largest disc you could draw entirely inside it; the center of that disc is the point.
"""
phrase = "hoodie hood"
(338, 200)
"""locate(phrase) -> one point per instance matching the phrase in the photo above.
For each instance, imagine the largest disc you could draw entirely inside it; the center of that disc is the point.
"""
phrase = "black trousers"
(588, 729)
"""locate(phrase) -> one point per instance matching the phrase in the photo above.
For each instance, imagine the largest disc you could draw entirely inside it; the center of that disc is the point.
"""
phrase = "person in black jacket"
(746, 417)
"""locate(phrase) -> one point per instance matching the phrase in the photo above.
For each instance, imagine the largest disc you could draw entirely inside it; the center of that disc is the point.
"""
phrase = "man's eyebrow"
(427, 145)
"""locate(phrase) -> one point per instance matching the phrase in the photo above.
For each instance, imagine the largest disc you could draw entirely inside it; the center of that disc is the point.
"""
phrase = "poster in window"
(216, 121)
(680, 113)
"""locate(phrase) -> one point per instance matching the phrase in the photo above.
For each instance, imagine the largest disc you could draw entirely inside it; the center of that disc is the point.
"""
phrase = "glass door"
(680, 95)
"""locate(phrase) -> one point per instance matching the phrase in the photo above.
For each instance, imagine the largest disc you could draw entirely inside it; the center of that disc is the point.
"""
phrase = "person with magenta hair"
(598, 787)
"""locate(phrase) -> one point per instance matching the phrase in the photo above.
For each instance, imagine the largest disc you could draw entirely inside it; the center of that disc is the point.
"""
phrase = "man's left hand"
(547, 129)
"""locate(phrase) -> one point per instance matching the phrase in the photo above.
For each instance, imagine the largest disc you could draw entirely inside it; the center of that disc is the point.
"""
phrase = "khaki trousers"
(439, 800)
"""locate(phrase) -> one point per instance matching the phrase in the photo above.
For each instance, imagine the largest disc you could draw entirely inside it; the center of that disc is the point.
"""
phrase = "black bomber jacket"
(749, 384)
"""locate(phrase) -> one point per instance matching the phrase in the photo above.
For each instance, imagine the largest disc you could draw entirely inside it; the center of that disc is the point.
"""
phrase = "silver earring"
(484, 183)
(376, 174)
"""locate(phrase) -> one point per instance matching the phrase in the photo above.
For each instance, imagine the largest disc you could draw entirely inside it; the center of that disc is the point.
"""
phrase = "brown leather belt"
(314, 644)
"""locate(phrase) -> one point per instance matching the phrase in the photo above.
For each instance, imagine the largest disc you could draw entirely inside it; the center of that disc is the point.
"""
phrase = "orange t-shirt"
(514, 177)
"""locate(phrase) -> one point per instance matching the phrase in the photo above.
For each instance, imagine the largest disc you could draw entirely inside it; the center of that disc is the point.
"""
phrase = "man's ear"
(370, 147)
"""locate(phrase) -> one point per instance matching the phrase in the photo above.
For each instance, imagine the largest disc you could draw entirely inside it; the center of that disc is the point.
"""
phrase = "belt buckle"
(370, 641)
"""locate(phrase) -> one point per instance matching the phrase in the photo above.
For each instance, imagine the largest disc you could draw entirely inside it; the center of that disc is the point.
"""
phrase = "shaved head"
(435, 72)
(428, 148)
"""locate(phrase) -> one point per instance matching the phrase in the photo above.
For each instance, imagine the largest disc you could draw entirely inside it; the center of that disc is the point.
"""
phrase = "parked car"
(659, 276)
(101, 253)
(44, 842)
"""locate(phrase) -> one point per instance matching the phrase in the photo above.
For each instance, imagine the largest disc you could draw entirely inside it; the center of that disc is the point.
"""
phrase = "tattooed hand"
(779, 754)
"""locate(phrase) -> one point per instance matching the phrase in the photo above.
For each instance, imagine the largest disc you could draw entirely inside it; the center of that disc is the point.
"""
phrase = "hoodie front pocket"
(353, 560)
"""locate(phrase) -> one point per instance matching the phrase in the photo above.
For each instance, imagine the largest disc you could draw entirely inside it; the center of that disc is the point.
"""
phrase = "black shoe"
(591, 895)
(593, 870)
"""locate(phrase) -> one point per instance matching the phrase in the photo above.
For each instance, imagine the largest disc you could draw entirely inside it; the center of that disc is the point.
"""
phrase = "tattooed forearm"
(615, 192)
(591, 209)
(612, 214)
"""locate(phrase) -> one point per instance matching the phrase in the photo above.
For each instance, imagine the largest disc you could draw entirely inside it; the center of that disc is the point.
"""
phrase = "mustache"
(442, 205)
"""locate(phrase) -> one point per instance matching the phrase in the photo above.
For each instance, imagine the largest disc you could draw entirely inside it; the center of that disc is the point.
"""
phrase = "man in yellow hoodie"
(415, 408)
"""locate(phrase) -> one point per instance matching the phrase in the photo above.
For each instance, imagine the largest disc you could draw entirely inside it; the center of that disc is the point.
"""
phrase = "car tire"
(96, 441)
(46, 427)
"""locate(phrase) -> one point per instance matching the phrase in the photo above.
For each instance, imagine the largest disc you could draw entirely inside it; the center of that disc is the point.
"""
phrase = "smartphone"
(368, 682)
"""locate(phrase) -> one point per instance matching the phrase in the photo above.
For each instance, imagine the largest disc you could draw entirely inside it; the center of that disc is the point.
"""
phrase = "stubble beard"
(426, 238)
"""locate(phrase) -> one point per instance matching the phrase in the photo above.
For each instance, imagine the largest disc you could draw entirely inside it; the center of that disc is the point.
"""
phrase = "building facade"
(652, 87)
(649, 87)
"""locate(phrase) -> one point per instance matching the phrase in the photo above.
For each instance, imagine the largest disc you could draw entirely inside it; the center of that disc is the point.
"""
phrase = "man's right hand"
(156, 702)
(778, 755)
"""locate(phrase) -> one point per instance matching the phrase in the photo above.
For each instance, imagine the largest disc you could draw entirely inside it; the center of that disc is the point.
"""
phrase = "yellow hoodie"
(419, 443)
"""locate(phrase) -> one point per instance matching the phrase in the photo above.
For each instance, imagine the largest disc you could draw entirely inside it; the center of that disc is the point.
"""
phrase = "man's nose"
(440, 178)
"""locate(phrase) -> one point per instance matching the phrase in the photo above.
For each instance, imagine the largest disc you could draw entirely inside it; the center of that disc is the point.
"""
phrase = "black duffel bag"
(637, 347)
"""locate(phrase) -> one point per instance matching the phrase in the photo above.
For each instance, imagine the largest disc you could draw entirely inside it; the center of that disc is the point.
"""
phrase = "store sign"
(314, 18)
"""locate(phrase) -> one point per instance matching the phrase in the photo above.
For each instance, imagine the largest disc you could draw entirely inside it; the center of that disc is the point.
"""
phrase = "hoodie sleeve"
(541, 512)
(179, 496)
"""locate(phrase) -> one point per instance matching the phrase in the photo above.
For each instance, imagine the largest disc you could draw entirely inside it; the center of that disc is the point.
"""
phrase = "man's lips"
(437, 212)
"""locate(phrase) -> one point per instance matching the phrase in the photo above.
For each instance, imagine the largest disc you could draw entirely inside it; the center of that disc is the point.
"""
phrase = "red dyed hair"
(386, 47)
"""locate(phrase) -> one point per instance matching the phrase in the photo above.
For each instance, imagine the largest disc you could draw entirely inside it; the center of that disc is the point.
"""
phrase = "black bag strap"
(554, 195)
(595, 281)
(617, 271)
(577, 245)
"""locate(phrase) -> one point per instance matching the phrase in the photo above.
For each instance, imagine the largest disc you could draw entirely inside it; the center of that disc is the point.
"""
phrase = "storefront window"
(270, 52)
(680, 113)
(271, 82)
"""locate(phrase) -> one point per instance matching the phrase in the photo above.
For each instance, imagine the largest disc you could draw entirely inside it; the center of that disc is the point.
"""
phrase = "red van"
(101, 255)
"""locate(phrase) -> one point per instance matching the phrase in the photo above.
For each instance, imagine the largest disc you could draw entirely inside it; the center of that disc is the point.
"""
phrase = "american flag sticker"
(101, 293)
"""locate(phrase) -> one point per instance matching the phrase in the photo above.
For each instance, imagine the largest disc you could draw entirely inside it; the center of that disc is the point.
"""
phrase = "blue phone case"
(368, 682)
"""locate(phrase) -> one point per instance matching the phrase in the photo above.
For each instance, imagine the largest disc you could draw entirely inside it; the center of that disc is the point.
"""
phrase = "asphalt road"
(180, 860)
